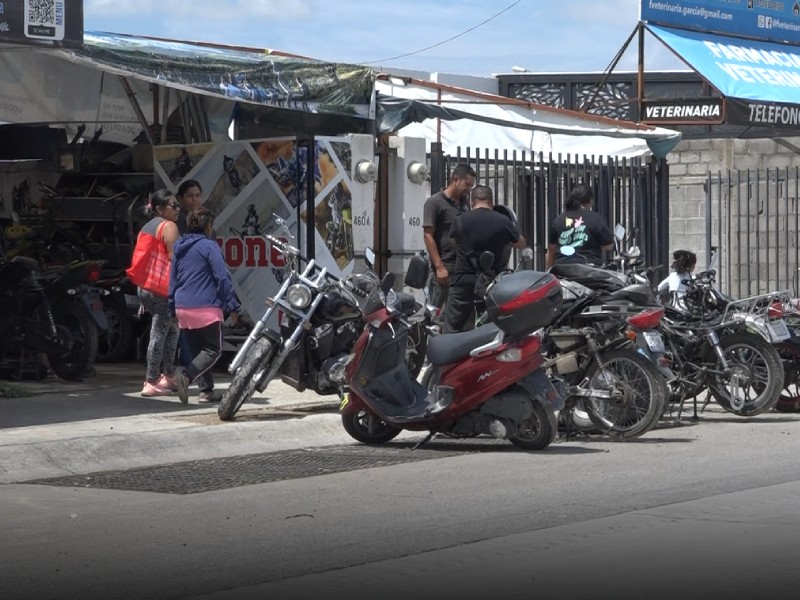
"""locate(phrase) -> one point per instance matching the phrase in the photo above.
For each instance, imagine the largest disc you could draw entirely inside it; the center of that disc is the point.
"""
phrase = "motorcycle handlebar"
(360, 293)
(284, 247)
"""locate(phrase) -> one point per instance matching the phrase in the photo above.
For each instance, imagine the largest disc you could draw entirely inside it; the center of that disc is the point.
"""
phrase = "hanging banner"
(42, 23)
(738, 68)
(771, 20)
(247, 183)
(763, 114)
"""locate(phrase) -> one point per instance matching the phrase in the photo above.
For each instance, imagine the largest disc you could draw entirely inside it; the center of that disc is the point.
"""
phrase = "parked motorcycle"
(489, 380)
(50, 313)
(725, 346)
(606, 345)
(319, 321)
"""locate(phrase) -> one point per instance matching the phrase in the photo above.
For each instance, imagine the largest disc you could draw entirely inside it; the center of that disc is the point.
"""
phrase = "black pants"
(459, 312)
(437, 293)
(205, 346)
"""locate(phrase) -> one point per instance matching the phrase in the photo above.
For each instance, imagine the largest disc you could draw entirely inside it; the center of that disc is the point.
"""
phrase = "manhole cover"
(199, 476)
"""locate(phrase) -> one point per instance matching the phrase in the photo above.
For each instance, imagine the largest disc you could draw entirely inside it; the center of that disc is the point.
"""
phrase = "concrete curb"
(76, 428)
(172, 442)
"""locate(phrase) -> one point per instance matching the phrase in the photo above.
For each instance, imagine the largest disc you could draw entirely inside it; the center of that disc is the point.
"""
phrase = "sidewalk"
(103, 423)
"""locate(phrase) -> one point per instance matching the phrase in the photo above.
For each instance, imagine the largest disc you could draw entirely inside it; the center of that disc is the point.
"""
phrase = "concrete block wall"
(690, 163)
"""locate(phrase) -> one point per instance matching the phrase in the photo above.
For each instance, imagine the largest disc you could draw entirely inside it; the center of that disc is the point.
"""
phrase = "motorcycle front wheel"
(368, 429)
(73, 317)
(639, 394)
(246, 379)
(756, 380)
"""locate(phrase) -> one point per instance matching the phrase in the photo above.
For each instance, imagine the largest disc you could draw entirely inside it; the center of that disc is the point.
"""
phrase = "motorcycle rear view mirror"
(619, 232)
(486, 260)
(417, 273)
(387, 283)
(369, 257)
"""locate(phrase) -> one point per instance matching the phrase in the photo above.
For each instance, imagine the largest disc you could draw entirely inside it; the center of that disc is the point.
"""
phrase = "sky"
(537, 35)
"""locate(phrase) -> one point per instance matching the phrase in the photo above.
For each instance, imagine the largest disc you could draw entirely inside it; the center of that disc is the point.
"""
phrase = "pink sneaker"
(154, 389)
(168, 383)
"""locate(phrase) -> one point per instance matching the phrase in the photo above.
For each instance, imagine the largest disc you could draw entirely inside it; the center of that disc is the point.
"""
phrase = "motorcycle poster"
(247, 183)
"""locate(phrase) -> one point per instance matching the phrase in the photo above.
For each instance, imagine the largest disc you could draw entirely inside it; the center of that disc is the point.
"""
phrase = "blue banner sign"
(770, 20)
(739, 68)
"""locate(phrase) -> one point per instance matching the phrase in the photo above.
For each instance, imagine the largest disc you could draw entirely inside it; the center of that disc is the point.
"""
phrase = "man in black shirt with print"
(579, 234)
(475, 232)
(438, 215)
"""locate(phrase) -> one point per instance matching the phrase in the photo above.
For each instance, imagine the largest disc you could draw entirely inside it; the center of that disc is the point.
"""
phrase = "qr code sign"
(44, 19)
(41, 12)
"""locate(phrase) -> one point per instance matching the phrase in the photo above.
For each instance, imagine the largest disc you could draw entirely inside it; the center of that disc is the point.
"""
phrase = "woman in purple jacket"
(200, 294)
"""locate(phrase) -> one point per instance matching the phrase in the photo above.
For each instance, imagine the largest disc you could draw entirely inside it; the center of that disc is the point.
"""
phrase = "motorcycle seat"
(451, 347)
(592, 277)
(637, 293)
(406, 304)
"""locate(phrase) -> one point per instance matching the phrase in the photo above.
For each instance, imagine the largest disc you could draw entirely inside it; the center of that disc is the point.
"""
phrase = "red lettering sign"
(250, 252)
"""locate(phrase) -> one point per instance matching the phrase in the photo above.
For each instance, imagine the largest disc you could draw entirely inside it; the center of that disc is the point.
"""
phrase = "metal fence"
(752, 223)
(634, 192)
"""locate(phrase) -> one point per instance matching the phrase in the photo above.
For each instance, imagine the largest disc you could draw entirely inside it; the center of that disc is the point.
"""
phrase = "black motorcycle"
(47, 313)
(318, 322)
(725, 346)
(608, 340)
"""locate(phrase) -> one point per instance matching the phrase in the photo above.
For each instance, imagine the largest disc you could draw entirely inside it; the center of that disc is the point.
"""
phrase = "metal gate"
(752, 222)
(633, 192)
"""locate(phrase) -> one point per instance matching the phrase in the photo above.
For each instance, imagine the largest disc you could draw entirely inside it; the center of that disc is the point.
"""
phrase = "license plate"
(654, 341)
(778, 330)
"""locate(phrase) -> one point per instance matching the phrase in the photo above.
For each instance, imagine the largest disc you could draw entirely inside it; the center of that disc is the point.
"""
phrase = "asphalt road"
(701, 511)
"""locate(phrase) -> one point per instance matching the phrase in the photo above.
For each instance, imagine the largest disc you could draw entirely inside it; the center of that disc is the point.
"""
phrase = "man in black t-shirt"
(579, 235)
(438, 215)
(475, 232)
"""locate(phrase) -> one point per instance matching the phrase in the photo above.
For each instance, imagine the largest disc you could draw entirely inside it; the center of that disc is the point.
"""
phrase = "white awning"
(462, 118)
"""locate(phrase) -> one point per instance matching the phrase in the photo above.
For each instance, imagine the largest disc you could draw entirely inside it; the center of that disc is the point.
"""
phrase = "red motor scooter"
(490, 380)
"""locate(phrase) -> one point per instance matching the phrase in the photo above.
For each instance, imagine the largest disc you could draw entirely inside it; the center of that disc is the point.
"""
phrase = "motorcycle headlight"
(298, 295)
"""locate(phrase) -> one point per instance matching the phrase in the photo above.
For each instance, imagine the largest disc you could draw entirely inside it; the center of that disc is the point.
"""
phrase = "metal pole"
(137, 109)
(165, 116)
(311, 238)
(608, 70)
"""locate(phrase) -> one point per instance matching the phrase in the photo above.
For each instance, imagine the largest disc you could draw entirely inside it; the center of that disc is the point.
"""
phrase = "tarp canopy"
(83, 86)
(265, 77)
(760, 80)
(477, 120)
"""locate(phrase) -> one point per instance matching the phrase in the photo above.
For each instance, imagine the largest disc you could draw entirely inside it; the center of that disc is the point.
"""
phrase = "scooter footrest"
(440, 398)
